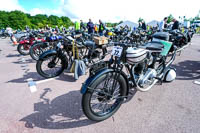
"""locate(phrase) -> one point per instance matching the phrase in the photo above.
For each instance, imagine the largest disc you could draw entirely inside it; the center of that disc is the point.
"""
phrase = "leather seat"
(157, 46)
(161, 36)
(89, 43)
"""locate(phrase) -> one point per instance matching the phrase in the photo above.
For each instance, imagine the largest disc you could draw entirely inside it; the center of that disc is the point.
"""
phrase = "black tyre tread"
(20, 51)
(87, 95)
(38, 68)
(31, 51)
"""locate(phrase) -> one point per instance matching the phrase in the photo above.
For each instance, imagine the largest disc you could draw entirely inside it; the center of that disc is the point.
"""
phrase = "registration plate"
(117, 51)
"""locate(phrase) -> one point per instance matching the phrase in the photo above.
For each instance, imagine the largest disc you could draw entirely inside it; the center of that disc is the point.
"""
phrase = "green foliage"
(120, 22)
(140, 20)
(19, 20)
(170, 18)
(109, 24)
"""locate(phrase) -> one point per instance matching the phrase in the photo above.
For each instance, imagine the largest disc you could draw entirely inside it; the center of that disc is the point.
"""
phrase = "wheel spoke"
(105, 96)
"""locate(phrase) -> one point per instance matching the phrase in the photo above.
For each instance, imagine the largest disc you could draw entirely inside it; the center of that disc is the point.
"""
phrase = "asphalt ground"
(56, 106)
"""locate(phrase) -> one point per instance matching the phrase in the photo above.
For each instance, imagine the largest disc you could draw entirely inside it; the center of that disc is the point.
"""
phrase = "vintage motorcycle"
(25, 44)
(108, 85)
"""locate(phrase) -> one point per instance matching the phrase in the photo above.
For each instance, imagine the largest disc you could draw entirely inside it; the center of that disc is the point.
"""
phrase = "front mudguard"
(93, 78)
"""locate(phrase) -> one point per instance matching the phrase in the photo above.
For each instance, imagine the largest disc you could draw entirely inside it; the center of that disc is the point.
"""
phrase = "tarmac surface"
(56, 106)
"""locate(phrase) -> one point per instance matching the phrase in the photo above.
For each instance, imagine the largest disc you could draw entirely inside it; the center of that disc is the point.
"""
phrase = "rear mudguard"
(166, 71)
(47, 54)
(91, 79)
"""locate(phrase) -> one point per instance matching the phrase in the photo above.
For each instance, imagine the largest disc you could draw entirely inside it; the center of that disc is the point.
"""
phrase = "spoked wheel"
(105, 98)
(51, 66)
(37, 49)
(23, 49)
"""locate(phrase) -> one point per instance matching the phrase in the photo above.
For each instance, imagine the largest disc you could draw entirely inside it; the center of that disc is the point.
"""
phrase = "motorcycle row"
(119, 62)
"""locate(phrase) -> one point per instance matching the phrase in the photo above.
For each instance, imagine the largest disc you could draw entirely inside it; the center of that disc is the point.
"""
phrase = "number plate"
(117, 51)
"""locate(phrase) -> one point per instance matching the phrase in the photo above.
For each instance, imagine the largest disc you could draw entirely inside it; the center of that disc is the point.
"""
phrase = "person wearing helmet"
(101, 28)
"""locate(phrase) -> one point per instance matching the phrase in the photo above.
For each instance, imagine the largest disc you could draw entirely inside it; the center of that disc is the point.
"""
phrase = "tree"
(170, 18)
(18, 20)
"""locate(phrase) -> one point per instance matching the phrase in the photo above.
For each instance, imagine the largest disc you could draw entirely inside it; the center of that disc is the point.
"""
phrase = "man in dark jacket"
(101, 28)
(144, 25)
(175, 25)
(90, 27)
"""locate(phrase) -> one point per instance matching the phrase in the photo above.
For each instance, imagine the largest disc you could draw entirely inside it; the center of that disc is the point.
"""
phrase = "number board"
(117, 51)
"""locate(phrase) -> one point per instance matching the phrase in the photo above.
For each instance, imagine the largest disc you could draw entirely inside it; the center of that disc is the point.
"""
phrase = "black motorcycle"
(108, 85)
(53, 62)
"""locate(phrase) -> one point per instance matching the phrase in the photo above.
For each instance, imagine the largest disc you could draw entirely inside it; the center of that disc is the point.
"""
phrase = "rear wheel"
(51, 66)
(105, 98)
(23, 49)
(37, 49)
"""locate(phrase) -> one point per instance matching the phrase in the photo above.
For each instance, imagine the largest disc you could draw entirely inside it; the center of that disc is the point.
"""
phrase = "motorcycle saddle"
(89, 43)
(161, 35)
(154, 46)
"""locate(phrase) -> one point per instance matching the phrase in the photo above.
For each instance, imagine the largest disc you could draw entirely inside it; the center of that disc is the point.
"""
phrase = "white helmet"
(170, 75)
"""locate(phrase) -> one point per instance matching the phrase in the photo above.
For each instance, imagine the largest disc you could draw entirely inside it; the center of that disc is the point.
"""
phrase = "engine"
(147, 77)
(145, 71)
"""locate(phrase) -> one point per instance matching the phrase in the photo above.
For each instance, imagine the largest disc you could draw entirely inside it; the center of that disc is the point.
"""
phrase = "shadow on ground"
(188, 70)
(23, 60)
(36, 77)
(14, 55)
(63, 112)
(26, 75)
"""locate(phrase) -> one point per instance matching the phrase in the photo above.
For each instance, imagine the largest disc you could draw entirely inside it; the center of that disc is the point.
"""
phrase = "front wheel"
(51, 66)
(105, 98)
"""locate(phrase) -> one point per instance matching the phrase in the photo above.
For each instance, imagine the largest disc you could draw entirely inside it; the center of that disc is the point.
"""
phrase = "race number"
(117, 51)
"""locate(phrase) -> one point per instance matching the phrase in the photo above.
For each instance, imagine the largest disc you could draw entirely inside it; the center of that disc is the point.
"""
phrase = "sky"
(106, 10)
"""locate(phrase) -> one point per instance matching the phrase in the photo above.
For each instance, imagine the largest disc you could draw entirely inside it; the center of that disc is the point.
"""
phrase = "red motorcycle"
(24, 45)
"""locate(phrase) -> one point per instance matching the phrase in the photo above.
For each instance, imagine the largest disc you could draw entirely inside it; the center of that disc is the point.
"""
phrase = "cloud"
(46, 11)
(116, 10)
(10, 5)
(113, 10)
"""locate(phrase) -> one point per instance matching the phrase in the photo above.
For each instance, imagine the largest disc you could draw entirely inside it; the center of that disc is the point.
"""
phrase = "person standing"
(101, 28)
(47, 28)
(175, 25)
(77, 27)
(162, 24)
(82, 26)
(144, 25)
(95, 29)
(90, 27)
(57, 29)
